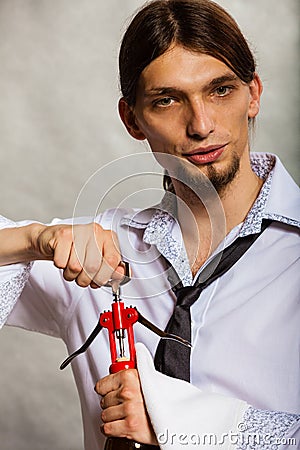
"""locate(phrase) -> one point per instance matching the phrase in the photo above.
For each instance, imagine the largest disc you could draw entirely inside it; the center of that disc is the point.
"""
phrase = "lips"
(205, 155)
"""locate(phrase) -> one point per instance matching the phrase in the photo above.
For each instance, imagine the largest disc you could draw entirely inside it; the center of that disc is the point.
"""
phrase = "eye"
(165, 101)
(222, 91)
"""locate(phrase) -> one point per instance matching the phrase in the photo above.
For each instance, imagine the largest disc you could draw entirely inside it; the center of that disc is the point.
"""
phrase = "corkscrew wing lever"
(142, 320)
(160, 332)
(83, 348)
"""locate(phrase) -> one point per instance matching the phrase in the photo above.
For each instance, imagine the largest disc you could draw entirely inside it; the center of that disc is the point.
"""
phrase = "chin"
(196, 181)
(222, 177)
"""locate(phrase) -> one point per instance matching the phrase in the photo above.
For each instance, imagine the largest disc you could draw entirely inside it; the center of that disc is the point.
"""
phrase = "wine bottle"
(126, 444)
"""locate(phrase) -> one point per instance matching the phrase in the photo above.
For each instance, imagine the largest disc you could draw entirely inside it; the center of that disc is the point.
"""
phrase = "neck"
(212, 219)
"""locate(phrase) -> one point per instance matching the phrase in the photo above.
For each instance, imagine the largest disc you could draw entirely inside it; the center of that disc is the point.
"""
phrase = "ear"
(128, 118)
(256, 88)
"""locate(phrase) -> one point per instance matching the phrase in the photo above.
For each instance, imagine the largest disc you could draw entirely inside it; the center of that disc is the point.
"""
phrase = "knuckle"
(126, 393)
(65, 232)
(96, 283)
(130, 375)
(82, 283)
(75, 267)
(92, 267)
(98, 232)
(68, 276)
(107, 429)
(58, 262)
(132, 423)
(98, 387)
(112, 260)
(104, 416)
(97, 227)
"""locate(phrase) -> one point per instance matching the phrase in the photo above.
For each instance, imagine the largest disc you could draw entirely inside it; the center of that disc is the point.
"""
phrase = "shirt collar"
(162, 230)
(279, 197)
(278, 200)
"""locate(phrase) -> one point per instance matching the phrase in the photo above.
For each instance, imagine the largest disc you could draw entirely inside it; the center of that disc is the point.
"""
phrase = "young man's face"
(193, 106)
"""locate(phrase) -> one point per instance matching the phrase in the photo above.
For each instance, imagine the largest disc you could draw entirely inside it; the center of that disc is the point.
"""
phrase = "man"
(190, 89)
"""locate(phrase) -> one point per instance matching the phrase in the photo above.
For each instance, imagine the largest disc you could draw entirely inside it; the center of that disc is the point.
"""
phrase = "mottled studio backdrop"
(59, 123)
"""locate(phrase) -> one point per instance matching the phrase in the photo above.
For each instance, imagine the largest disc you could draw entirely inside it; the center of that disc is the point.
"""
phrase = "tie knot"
(187, 295)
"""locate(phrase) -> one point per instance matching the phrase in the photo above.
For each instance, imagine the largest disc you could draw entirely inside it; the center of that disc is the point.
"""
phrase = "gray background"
(59, 123)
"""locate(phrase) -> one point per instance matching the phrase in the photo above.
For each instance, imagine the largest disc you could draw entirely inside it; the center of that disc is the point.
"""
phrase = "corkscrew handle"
(119, 324)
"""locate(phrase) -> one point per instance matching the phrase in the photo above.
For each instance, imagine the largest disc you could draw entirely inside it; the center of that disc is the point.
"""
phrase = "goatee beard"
(220, 180)
(192, 180)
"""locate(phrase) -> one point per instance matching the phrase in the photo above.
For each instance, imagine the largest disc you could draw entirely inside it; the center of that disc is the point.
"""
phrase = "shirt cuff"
(264, 430)
(12, 281)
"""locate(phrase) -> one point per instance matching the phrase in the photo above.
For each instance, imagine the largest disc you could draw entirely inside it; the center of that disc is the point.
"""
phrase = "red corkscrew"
(119, 324)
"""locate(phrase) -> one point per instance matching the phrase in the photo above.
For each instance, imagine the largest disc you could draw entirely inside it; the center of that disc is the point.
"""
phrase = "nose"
(200, 121)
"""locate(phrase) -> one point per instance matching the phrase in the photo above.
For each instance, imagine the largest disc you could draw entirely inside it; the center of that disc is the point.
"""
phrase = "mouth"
(205, 155)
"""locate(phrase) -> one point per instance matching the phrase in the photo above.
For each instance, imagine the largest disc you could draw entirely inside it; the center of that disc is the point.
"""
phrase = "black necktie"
(173, 358)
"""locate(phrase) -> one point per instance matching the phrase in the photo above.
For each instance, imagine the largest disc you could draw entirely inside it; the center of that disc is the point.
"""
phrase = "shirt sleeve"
(46, 303)
(12, 280)
(35, 296)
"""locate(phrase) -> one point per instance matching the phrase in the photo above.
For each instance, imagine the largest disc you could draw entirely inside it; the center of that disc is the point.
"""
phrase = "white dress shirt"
(245, 326)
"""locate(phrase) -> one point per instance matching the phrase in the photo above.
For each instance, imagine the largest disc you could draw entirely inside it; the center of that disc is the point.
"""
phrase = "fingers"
(62, 245)
(85, 258)
(87, 254)
(122, 388)
(118, 400)
(110, 261)
(116, 428)
(121, 421)
(107, 384)
(99, 258)
(113, 413)
(75, 265)
(123, 409)
(118, 382)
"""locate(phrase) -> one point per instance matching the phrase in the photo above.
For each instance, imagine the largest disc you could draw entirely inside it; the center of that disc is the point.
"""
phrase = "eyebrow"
(160, 91)
(226, 78)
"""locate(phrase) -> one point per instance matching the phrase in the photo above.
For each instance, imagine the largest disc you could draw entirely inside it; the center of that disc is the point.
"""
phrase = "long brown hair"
(198, 25)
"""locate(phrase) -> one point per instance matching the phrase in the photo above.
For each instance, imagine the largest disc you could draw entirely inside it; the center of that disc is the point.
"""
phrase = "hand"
(87, 254)
(124, 413)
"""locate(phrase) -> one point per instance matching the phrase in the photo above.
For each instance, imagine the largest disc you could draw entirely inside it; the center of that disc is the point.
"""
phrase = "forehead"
(181, 68)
